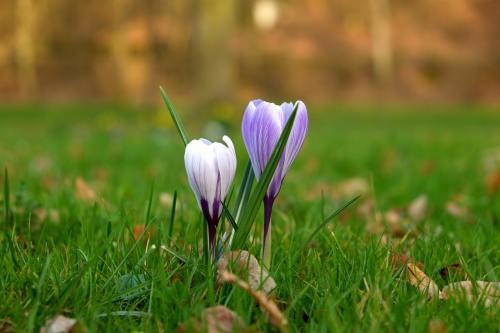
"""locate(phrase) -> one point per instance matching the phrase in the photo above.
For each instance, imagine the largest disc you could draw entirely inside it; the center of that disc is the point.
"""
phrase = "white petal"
(201, 168)
(226, 163)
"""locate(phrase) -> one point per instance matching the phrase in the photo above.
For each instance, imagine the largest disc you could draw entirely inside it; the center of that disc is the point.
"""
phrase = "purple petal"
(262, 126)
(297, 135)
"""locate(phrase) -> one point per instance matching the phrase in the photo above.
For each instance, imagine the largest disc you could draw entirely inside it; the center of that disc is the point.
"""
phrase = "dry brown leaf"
(216, 319)
(419, 279)
(453, 269)
(267, 305)
(83, 191)
(488, 292)
(493, 182)
(139, 230)
(437, 326)
(246, 266)
(399, 260)
(366, 209)
(398, 226)
(40, 214)
(351, 187)
(417, 210)
(456, 210)
(6, 325)
(219, 319)
(61, 324)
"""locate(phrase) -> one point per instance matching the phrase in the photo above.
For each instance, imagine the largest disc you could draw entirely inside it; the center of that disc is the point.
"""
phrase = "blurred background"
(212, 52)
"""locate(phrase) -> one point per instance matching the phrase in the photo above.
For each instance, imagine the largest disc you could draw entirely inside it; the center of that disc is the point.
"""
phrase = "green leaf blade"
(175, 117)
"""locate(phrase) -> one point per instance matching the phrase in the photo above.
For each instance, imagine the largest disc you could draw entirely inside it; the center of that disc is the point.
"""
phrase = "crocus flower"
(210, 168)
(262, 125)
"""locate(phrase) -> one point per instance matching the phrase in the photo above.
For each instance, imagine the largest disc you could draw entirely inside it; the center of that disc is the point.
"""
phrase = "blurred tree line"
(121, 50)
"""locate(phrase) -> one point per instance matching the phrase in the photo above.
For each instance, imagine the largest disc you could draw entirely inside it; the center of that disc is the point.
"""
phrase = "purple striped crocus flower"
(262, 125)
(210, 169)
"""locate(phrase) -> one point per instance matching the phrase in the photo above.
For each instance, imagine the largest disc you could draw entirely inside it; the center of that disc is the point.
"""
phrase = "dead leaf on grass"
(454, 269)
(457, 210)
(247, 266)
(139, 230)
(493, 182)
(487, 292)
(350, 188)
(419, 279)
(83, 191)
(61, 324)
(267, 305)
(437, 326)
(216, 319)
(6, 325)
(417, 210)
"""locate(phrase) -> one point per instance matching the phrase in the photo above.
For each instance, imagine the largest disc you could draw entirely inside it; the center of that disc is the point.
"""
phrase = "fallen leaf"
(267, 305)
(40, 214)
(139, 230)
(493, 182)
(83, 191)
(419, 279)
(247, 266)
(366, 209)
(453, 269)
(417, 210)
(397, 225)
(437, 326)
(219, 319)
(487, 292)
(456, 210)
(6, 325)
(61, 324)
(399, 260)
(54, 215)
(350, 188)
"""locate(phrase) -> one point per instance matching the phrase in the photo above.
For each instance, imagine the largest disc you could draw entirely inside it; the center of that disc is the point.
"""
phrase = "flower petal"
(210, 168)
(261, 129)
(297, 135)
(226, 164)
(201, 168)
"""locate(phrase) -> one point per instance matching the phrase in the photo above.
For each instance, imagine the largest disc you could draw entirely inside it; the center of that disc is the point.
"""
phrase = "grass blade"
(244, 191)
(230, 217)
(331, 217)
(6, 195)
(253, 204)
(172, 216)
(175, 117)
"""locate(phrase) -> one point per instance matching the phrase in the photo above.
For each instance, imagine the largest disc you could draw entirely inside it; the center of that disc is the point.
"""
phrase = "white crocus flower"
(210, 168)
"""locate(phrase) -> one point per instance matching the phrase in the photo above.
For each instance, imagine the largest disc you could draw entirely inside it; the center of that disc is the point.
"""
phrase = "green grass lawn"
(63, 255)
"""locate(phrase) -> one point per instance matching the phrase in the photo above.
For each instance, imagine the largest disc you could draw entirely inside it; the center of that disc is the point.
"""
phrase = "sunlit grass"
(81, 259)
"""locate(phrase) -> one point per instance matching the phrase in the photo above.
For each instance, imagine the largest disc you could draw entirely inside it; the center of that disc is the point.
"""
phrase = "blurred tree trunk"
(381, 40)
(214, 26)
(130, 42)
(26, 15)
